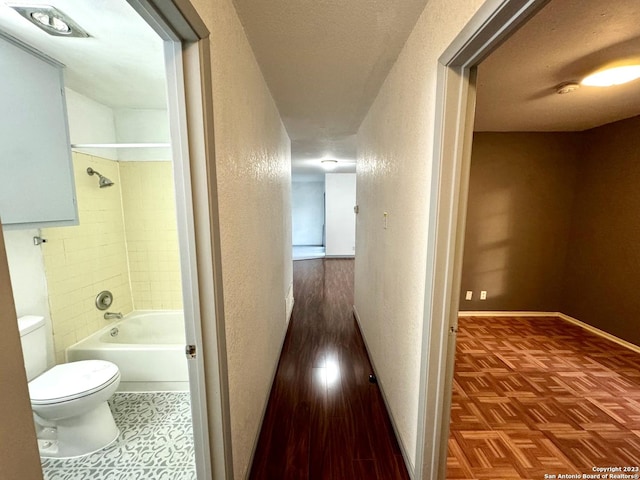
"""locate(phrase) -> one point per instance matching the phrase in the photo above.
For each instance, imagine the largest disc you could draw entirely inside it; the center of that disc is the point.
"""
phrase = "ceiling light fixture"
(51, 20)
(616, 75)
(329, 164)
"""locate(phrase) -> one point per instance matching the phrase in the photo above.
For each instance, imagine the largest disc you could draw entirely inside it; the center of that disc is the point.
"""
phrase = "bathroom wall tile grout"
(126, 242)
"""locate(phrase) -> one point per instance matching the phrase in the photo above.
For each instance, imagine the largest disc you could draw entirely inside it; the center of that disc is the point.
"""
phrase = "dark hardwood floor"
(324, 419)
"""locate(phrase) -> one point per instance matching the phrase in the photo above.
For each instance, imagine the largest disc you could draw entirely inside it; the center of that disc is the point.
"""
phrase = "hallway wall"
(395, 150)
(253, 164)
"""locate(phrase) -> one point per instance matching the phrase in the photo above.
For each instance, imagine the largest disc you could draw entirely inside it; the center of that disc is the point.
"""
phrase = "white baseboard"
(566, 318)
(599, 332)
(288, 304)
(266, 404)
(407, 463)
(506, 314)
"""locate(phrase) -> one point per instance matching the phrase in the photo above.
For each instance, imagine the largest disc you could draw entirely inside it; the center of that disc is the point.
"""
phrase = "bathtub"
(147, 346)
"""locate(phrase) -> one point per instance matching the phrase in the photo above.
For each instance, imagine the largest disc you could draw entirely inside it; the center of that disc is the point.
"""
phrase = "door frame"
(492, 24)
(190, 106)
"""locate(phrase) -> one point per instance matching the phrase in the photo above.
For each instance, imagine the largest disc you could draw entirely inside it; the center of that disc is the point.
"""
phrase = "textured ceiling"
(565, 41)
(324, 62)
(120, 65)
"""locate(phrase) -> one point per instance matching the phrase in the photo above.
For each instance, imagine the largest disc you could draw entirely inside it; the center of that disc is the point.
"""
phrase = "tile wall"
(83, 260)
(97, 254)
(148, 202)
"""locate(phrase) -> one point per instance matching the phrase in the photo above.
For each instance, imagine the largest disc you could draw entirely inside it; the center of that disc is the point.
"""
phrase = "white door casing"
(455, 109)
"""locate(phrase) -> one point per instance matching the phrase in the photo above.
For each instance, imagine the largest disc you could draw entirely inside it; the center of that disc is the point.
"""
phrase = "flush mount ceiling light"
(329, 164)
(51, 20)
(616, 75)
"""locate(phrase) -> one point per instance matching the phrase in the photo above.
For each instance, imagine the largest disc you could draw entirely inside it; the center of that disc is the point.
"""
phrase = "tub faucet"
(112, 315)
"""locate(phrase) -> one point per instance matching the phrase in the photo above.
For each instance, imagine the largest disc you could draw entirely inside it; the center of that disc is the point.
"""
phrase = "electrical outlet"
(469, 295)
(483, 295)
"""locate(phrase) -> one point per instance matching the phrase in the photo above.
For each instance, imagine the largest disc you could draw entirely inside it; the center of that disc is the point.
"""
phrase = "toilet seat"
(70, 381)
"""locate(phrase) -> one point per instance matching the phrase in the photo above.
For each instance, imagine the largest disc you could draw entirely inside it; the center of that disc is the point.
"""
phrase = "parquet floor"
(324, 419)
(536, 396)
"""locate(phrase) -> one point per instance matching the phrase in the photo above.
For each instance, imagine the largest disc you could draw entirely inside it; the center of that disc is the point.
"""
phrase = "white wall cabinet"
(340, 198)
(36, 173)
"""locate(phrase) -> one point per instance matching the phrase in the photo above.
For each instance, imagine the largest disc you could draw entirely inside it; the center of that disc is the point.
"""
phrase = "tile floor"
(155, 442)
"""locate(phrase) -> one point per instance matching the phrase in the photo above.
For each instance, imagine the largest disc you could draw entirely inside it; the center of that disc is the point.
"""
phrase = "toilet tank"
(33, 337)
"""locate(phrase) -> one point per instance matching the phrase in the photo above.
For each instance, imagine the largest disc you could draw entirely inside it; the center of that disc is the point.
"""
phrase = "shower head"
(103, 182)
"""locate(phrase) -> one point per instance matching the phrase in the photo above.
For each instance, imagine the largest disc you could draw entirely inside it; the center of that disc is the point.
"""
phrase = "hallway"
(324, 419)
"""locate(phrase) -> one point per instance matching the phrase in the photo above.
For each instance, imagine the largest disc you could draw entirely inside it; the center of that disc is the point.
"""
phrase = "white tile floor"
(155, 442)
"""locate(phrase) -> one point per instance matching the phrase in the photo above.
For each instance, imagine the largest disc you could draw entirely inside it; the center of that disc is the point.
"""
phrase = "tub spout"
(112, 315)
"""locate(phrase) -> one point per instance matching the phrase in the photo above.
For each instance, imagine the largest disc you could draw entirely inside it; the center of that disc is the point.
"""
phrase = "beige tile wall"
(126, 242)
(148, 201)
(83, 260)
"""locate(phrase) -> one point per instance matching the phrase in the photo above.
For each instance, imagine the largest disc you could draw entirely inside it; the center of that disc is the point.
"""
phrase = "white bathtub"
(147, 346)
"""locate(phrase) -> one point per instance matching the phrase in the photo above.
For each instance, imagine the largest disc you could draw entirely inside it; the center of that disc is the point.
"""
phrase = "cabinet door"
(36, 174)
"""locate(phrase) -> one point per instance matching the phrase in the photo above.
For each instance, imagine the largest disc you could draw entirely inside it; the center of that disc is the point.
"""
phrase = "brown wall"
(603, 263)
(553, 224)
(19, 456)
(520, 199)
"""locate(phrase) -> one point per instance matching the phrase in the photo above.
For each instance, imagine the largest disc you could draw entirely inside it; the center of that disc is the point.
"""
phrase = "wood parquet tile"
(536, 396)
(324, 419)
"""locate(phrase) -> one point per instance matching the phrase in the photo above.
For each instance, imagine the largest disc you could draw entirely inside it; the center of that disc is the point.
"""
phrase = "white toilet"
(69, 401)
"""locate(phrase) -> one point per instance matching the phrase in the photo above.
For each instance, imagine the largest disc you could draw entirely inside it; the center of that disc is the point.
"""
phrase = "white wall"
(142, 126)
(28, 280)
(340, 189)
(307, 212)
(253, 163)
(91, 122)
(395, 155)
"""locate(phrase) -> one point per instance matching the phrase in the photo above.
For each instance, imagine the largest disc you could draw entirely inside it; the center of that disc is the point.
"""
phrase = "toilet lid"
(73, 380)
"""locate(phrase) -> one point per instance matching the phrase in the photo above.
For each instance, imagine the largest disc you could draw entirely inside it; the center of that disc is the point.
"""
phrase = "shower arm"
(104, 181)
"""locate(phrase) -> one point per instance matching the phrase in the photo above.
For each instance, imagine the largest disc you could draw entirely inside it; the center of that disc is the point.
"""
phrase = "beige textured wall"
(395, 145)
(83, 260)
(602, 271)
(19, 456)
(253, 168)
(148, 205)
(521, 193)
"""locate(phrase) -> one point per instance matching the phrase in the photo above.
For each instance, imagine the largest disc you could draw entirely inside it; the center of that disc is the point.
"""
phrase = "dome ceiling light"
(329, 164)
(616, 75)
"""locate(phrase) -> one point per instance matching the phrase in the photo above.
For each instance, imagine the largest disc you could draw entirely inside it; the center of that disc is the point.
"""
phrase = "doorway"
(455, 104)
(455, 192)
(186, 63)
